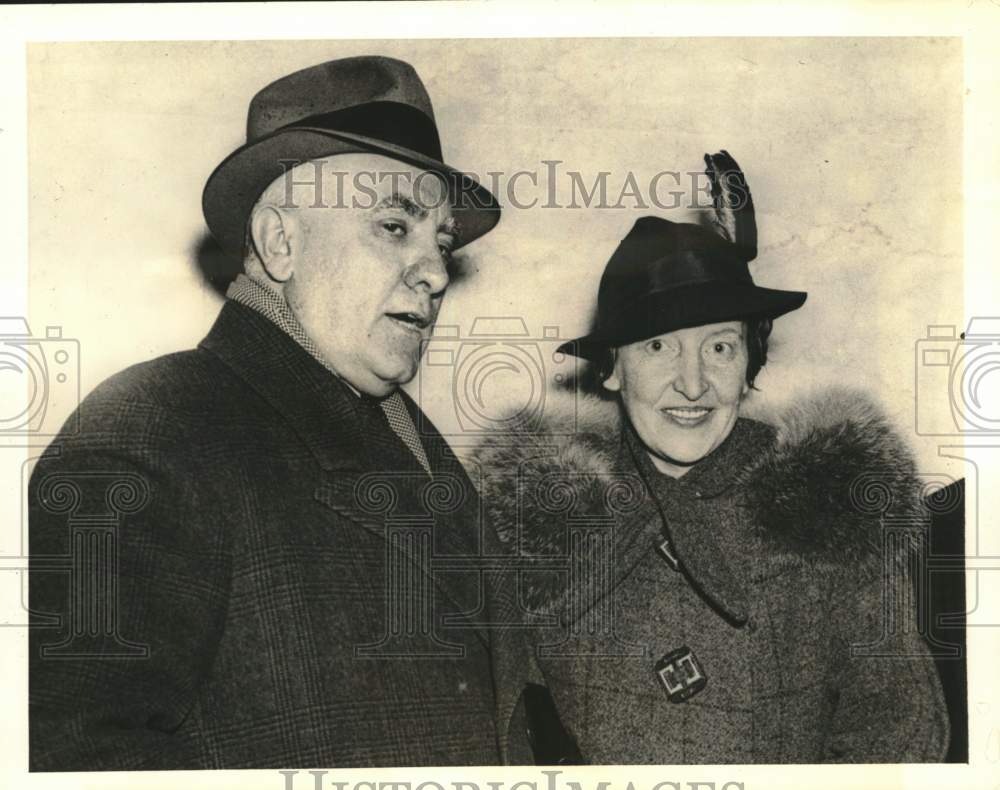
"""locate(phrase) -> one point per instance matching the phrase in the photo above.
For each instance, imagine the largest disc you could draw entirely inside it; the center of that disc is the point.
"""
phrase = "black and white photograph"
(466, 398)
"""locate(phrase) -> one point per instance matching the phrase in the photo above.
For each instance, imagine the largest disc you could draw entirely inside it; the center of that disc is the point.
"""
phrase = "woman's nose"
(690, 380)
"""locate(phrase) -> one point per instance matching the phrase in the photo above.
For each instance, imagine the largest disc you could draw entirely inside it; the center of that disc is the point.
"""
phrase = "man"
(231, 561)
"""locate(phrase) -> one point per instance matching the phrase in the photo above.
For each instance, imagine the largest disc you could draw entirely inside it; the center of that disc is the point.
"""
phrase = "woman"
(718, 581)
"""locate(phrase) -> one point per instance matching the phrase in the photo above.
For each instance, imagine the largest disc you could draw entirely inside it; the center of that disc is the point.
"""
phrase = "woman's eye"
(722, 350)
(661, 347)
(394, 228)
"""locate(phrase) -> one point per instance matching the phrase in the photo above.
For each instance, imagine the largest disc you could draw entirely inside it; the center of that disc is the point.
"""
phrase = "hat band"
(386, 121)
(675, 270)
(694, 305)
(688, 267)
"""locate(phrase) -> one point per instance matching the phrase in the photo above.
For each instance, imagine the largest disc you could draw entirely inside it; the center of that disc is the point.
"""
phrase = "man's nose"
(690, 380)
(429, 270)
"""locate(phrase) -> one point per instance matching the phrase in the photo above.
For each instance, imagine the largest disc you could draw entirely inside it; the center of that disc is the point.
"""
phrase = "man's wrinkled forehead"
(412, 186)
(363, 181)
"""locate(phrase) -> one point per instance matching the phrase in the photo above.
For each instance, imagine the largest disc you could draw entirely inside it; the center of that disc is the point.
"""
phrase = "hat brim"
(235, 185)
(684, 307)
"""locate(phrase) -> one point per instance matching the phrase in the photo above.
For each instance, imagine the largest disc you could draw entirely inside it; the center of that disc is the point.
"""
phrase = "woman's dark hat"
(361, 104)
(666, 275)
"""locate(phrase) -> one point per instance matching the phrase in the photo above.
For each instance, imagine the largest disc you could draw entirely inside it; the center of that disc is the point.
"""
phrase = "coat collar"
(318, 406)
(719, 471)
(351, 441)
(802, 475)
(597, 451)
(685, 505)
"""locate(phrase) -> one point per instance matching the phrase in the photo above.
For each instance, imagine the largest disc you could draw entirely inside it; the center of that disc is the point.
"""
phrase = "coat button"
(751, 626)
(697, 494)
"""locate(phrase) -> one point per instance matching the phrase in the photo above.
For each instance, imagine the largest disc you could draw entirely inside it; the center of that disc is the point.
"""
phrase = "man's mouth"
(687, 416)
(413, 321)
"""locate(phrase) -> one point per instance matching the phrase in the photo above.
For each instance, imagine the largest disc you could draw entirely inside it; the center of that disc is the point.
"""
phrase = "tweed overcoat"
(234, 564)
(783, 570)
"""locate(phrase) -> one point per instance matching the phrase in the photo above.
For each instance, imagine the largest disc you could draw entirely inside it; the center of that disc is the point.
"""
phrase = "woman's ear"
(612, 383)
(274, 233)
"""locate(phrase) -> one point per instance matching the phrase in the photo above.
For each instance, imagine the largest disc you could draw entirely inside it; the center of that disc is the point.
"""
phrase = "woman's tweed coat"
(790, 537)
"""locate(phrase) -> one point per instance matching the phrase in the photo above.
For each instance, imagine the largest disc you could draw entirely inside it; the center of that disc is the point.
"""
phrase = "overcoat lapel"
(317, 406)
(366, 474)
(633, 520)
(685, 507)
(666, 511)
(372, 501)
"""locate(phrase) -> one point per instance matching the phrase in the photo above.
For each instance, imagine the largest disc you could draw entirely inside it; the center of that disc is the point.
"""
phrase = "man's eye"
(446, 243)
(394, 228)
(655, 346)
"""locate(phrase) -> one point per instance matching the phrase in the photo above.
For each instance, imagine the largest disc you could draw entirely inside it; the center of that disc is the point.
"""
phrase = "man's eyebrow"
(413, 209)
(718, 332)
(449, 226)
(397, 201)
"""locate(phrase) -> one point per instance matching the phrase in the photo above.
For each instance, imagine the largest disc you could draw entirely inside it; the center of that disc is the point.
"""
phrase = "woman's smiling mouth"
(687, 416)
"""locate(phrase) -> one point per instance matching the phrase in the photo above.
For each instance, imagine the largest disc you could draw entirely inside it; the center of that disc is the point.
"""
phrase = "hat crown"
(335, 86)
(366, 104)
(665, 276)
(659, 255)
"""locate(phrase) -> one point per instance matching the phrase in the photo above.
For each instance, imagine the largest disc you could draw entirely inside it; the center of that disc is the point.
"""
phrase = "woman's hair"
(758, 330)
(756, 333)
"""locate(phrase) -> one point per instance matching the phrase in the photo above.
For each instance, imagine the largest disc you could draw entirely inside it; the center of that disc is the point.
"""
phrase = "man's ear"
(275, 234)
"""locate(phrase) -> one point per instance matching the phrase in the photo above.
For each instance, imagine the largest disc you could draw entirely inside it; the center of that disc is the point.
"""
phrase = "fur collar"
(834, 470)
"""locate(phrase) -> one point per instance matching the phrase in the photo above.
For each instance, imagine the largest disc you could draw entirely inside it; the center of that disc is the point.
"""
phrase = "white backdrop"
(852, 148)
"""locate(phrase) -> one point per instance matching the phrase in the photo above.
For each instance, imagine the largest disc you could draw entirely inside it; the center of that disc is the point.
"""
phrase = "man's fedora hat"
(666, 276)
(360, 104)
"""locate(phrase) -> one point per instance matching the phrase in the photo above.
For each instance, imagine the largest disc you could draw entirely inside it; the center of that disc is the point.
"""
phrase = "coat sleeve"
(128, 584)
(889, 704)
